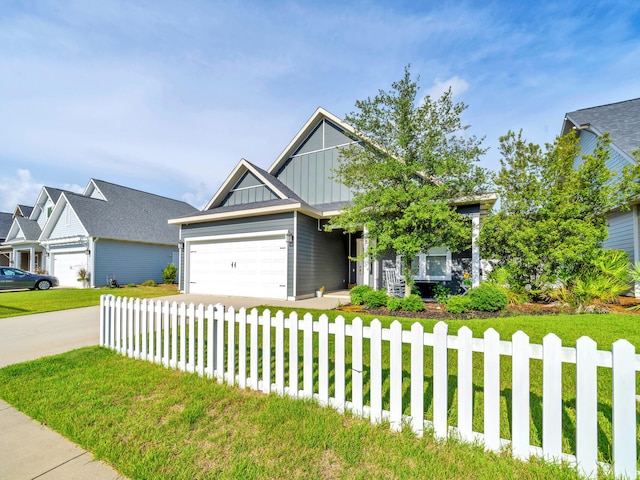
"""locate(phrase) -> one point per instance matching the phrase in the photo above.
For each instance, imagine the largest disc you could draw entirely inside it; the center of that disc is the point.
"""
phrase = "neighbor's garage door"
(250, 268)
(66, 266)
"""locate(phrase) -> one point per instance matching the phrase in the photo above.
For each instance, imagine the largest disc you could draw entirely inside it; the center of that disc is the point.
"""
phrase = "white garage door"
(66, 266)
(248, 268)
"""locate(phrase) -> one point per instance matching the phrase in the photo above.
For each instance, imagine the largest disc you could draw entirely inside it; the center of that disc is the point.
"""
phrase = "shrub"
(357, 294)
(375, 298)
(458, 304)
(412, 303)
(394, 304)
(148, 283)
(488, 298)
(169, 273)
(441, 293)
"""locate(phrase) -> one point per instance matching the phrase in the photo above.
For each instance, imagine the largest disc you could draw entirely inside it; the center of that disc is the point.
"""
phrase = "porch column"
(366, 261)
(475, 250)
(32, 259)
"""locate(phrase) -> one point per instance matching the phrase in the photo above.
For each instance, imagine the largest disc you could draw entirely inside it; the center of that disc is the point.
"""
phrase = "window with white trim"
(433, 266)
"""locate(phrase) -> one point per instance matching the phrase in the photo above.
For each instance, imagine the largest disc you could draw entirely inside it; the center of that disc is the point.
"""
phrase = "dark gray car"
(14, 278)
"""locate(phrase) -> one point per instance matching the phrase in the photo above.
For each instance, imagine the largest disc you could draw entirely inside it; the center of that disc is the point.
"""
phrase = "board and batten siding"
(322, 258)
(621, 236)
(248, 190)
(266, 223)
(129, 262)
(309, 172)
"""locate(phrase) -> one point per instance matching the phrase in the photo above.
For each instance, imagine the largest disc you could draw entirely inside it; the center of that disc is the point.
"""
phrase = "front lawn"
(151, 422)
(27, 302)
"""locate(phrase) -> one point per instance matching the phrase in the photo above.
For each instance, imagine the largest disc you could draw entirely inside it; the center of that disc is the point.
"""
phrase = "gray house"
(262, 234)
(110, 231)
(622, 121)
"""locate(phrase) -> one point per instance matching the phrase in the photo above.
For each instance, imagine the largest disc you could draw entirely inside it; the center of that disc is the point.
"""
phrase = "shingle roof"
(6, 219)
(129, 214)
(30, 228)
(25, 209)
(278, 184)
(621, 120)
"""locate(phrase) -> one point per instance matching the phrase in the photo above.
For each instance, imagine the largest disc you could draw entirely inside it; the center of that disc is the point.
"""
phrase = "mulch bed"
(437, 311)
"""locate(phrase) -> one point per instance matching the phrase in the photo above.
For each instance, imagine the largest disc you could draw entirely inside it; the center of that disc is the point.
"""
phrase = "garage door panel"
(239, 268)
(66, 267)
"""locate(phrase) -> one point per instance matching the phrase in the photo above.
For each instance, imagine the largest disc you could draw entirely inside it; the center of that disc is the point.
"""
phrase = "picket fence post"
(465, 383)
(279, 326)
(231, 346)
(242, 348)
(520, 403)
(586, 407)
(293, 354)
(492, 390)
(440, 380)
(356, 366)
(395, 367)
(417, 379)
(552, 397)
(340, 381)
(624, 409)
(375, 371)
(323, 360)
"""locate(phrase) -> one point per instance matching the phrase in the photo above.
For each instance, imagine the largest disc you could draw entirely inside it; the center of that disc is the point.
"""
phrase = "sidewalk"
(29, 450)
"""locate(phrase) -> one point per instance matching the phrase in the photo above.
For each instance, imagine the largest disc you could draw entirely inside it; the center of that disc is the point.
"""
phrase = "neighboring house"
(262, 234)
(22, 239)
(5, 224)
(111, 231)
(622, 121)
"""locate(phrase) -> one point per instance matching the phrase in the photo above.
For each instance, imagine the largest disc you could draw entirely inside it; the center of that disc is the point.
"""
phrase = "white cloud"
(458, 87)
(18, 189)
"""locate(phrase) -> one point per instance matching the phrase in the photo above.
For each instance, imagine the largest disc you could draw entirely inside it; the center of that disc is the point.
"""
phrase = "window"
(435, 265)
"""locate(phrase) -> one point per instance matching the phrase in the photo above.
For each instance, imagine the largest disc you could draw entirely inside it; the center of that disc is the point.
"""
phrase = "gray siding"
(621, 232)
(588, 142)
(309, 172)
(130, 262)
(282, 221)
(248, 190)
(322, 258)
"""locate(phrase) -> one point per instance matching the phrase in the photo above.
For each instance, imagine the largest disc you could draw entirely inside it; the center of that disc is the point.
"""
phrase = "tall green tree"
(553, 210)
(409, 163)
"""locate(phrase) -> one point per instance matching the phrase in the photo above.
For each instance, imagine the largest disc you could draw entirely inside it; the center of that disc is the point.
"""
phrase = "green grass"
(604, 329)
(24, 303)
(150, 422)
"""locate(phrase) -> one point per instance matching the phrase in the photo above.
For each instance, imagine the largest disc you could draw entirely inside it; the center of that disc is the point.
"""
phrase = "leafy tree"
(410, 161)
(553, 217)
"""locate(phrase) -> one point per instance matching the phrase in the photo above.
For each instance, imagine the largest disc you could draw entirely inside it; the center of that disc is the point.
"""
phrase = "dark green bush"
(488, 298)
(394, 304)
(375, 298)
(413, 303)
(441, 293)
(458, 304)
(357, 294)
(169, 273)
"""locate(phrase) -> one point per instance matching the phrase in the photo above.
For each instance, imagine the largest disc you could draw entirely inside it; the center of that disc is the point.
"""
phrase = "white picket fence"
(200, 339)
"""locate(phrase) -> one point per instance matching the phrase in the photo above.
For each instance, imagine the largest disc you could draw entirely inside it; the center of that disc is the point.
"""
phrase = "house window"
(435, 265)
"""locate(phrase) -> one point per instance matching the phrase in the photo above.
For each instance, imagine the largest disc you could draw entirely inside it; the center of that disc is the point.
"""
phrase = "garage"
(66, 266)
(240, 267)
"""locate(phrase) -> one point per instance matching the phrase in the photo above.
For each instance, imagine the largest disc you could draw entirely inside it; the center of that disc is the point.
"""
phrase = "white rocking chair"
(395, 282)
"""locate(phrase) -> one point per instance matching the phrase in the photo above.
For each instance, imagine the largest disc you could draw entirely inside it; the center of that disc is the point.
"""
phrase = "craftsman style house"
(263, 232)
(622, 121)
(109, 231)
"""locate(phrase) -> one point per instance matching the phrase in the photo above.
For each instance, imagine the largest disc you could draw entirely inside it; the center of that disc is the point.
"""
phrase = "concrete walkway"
(29, 450)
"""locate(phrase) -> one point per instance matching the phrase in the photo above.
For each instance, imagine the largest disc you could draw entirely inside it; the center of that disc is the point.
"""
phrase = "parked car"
(14, 278)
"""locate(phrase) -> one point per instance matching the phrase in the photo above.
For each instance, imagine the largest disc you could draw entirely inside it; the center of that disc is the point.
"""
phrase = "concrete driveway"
(42, 334)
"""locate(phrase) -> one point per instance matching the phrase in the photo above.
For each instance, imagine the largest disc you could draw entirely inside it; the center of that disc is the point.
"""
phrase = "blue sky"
(168, 96)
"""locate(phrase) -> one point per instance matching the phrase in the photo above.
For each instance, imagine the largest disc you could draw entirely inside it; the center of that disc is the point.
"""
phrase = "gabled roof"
(22, 211)
(126, 214)
(621, 120)
(280, 189)
(306, 130)
(23, 230)
(6, 219)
